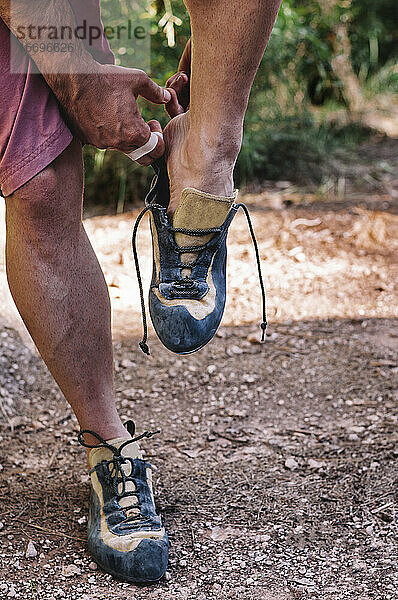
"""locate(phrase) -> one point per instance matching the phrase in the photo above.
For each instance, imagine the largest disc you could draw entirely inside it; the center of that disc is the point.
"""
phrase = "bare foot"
(196, 160)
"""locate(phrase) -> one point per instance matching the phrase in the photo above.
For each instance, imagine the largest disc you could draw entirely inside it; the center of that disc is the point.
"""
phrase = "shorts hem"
(47, 152)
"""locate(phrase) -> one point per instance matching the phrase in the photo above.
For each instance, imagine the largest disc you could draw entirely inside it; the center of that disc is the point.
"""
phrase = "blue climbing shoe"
(188, 288)
(125, 535)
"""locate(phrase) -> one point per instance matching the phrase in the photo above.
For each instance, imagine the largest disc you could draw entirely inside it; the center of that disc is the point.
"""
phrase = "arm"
(99, 100)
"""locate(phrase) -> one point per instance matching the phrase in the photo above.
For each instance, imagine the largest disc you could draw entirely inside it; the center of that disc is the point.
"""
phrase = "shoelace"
(116, 474)
(189, 282)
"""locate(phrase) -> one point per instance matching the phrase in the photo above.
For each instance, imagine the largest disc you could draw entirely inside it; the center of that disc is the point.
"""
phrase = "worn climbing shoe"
(188, 289)
(125, 535)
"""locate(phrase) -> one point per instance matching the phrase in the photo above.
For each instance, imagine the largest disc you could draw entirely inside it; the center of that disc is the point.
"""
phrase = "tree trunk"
(342, 66)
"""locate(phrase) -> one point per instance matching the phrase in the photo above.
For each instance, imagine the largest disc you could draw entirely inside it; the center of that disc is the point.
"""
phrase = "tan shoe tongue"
(96, 455)
(198, 210)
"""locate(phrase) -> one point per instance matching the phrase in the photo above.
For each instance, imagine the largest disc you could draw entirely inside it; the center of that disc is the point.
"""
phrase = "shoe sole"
(127, 579)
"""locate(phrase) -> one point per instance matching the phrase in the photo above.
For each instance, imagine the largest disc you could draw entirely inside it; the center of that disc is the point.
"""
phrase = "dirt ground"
(276, 465)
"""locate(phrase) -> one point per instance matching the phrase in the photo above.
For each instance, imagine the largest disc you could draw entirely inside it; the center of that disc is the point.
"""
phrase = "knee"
(36, 197)
(53, 197)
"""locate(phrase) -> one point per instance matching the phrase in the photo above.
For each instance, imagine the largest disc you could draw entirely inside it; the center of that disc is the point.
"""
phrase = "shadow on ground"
(276, 466)
(277, 463)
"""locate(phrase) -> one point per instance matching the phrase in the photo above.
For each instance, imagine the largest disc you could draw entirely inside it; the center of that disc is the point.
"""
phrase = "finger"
(150, 90)
(158, 151)
(141, 132)
(181, 85)
(171, 80)
(180, 76)
(174, 107)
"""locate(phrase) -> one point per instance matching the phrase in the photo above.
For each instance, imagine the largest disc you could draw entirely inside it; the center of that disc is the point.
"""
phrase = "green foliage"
(285, 137)
(373, 34)
(383, 81)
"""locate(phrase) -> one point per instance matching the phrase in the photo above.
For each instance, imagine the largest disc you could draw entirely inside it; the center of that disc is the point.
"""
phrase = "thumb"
(151, 91)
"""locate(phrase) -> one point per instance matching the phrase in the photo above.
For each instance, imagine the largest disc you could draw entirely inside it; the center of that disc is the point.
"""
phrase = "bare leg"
(60, 291)
(228, 41)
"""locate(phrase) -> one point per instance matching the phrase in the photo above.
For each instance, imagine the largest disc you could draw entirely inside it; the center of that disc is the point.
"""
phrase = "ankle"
(106, 432)
(216, 152)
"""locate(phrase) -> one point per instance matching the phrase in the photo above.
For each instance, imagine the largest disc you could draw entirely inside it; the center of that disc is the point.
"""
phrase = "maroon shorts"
(32, 131)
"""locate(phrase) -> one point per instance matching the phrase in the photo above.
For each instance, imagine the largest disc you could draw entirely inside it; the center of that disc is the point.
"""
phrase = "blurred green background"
(329, 68)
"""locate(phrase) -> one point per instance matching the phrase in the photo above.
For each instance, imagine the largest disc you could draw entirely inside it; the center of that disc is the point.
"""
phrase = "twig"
(230, 438)
(377, 510)
(53, 455)
(70, 537)
(5, 415)
(192, 537)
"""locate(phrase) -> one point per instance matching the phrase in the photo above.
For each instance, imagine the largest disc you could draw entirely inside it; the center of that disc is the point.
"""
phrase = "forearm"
(30, 21)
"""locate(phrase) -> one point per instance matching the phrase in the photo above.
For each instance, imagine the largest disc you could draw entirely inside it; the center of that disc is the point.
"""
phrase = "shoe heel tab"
(160, 189)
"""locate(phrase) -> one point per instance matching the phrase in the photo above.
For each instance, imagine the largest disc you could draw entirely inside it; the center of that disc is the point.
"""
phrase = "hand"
(102, 108)
(178, 85)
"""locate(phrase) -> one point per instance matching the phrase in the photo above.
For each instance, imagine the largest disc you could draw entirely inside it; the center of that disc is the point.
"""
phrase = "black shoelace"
(116, 474)
(187, 282)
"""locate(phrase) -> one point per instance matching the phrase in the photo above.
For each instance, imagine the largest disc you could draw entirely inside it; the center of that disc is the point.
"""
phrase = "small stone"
(71, 571)
(126, 363)
(31, 551)
(1, 525)
(195, 419)
(211, 369)
(250, 581)
(254, 338)
(235, 350)
(304, 581)
(248, 378)
(12, 593)
(291, 463)
(167, 576)
(316, 464)
(93, 566)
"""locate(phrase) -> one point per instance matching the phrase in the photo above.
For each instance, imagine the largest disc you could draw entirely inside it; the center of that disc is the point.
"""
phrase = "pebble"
(291, 463)
(31, 551)
(93, 566)
(12, 593)
(71, 571)
(315, 464)
(126, 363)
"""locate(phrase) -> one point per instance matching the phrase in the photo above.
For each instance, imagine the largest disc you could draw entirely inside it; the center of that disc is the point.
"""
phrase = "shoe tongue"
(199, 210)
(96, 455)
